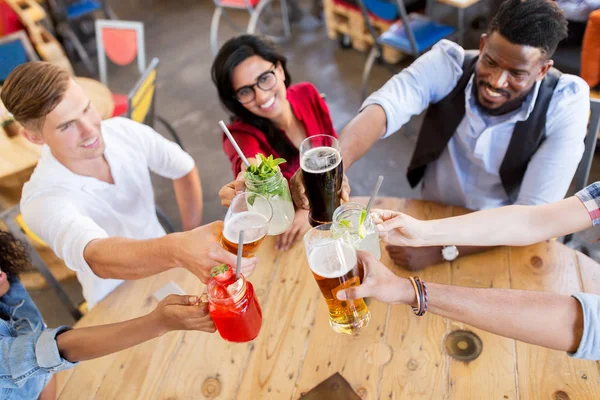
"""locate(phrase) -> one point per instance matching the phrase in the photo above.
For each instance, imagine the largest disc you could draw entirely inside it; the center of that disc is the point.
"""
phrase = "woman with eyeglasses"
(269, 114)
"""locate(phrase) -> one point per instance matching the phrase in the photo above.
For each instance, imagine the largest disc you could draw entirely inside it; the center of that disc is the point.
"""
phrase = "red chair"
(122, 42)
(262, 19)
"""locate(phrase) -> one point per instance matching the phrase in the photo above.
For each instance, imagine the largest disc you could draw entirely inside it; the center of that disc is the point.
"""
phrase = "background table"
(398, 356)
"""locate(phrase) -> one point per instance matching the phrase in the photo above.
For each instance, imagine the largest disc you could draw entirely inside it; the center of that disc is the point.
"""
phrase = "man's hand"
(200, 249)
(299, 227)
(233, 188)
(176, 312)
(399, 229)
(299, 191)
(379, 283)
(415, 258)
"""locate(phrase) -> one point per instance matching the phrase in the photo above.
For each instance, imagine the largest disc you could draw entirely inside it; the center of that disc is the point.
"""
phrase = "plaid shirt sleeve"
(590, 197)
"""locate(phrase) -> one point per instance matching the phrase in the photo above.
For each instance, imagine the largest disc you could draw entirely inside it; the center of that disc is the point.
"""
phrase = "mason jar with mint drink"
(266, 179)
(351, 223)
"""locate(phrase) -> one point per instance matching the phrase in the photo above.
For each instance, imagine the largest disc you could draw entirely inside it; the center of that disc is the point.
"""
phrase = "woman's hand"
(299, 191)
(299, 227)
(400, 229)
(182, 313)
(233, 188)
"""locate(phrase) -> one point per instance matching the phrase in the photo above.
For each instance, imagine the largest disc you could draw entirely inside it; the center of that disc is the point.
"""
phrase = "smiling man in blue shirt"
(502, 126)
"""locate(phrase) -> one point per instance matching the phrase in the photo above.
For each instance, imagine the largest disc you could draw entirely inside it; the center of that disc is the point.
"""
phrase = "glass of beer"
(335, 266)
(252, 217)
(323, 172)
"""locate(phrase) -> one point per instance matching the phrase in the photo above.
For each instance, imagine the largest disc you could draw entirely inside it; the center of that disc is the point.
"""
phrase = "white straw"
(234, 143)
(375, 191)
(238, 264)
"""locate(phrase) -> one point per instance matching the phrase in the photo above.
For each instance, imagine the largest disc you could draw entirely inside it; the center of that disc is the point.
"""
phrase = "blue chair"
(80, 8)
(413, 34)
(15, 49)
(73, 21)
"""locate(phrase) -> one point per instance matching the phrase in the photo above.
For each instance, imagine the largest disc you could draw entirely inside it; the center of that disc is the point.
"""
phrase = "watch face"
(450, 253)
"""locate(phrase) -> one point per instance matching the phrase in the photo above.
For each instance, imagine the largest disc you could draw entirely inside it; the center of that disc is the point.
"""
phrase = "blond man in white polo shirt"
(90, 197)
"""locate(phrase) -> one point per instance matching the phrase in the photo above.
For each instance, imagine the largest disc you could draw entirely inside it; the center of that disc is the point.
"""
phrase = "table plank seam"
(384, 340)
(250, 350)
(306, 344)
(579, 276)
(170, 363)
(514, 342)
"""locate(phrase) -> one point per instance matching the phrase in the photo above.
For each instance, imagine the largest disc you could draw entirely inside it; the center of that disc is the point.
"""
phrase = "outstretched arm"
(546, 319)
(510, 225)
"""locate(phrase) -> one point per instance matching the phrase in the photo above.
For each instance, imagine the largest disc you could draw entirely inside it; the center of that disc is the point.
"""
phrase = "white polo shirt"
(68, 211)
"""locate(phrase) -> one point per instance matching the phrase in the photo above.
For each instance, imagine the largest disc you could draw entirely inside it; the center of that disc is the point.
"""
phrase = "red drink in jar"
(233, 306)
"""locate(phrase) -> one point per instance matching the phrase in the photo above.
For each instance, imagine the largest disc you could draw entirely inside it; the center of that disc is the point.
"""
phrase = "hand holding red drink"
(176, 312)
(233, 305)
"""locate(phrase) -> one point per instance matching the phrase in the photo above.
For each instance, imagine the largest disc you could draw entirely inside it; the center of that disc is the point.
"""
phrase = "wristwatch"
(449, 253)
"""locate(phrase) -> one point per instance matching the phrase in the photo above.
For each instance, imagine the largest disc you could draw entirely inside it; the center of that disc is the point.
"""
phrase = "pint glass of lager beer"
(322, 170)
(251, 213)
(334, 265)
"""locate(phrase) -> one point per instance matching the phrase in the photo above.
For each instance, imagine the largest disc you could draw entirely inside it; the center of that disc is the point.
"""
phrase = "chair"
(15, 49)
(258, 18)
(582, 173)
(10, 218)
(122, 42)
(141, 100)
(33, 18)
(71, 25)
(590, 51)
(413, 34)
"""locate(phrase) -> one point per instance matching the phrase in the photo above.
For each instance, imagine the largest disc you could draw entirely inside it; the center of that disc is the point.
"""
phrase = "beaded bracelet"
(416, 287)
(421, 294)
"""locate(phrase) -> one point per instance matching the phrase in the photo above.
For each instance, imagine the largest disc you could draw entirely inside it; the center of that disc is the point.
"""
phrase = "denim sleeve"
(30, 355)
(589, 347)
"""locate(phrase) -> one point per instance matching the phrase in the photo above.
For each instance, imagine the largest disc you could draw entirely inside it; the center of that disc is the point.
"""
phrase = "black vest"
(443, 117)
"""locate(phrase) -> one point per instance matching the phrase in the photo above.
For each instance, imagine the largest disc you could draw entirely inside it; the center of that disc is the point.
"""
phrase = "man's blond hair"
(33, 90)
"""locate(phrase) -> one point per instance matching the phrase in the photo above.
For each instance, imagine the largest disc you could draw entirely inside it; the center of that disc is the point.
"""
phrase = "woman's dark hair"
(232, 54)
(13, 256)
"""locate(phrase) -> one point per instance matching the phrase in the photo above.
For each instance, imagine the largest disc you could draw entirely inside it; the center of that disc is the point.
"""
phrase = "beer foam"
(332, 259)
(319, 163)
(252, 223)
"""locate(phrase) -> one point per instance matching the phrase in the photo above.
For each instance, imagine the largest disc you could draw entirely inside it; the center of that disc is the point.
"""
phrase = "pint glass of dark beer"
(322, 169)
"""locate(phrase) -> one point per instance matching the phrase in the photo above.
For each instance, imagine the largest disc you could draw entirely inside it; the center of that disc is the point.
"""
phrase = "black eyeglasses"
(266, 81)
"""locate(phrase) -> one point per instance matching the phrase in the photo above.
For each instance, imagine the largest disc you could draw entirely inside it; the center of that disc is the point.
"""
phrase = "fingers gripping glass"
(266, 81)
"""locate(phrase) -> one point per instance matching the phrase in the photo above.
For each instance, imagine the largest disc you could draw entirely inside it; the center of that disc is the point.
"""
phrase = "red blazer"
(309, 108)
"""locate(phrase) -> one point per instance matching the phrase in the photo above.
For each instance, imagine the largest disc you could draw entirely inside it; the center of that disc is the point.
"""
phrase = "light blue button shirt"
(467, 172)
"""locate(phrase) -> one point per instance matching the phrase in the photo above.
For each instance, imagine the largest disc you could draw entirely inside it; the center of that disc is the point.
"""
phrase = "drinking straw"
(238, 265)
(234, 143)
(374, 194)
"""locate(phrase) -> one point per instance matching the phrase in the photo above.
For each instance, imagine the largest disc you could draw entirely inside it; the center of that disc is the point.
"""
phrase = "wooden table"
(17, 154)
(398, 356)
